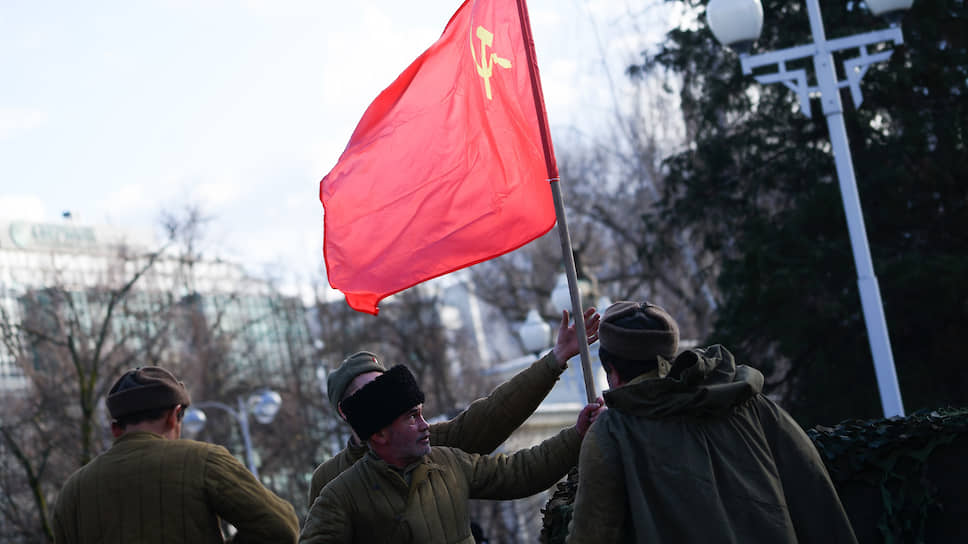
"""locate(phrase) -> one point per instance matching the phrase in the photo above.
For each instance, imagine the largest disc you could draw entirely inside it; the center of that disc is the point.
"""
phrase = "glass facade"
(70, 280)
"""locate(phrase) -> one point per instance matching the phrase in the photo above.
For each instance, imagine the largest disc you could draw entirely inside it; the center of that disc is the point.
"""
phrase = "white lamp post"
(264, 406)
(735, 22)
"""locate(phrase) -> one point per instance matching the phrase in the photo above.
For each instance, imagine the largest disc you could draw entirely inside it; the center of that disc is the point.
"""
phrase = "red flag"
(448, 167)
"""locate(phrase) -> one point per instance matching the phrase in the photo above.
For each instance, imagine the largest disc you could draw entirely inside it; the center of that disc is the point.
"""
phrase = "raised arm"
(566, 344)
(488, 422)
(526, 472)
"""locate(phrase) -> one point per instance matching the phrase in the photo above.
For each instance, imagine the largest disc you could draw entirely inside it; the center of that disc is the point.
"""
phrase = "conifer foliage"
(758, 188)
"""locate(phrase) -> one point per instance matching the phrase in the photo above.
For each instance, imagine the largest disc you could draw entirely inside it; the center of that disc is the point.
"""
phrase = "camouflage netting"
(557, 513)
(908, 463)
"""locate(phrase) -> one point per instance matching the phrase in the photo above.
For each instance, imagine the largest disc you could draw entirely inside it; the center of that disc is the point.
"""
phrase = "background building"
(81, 304)
(35, 257)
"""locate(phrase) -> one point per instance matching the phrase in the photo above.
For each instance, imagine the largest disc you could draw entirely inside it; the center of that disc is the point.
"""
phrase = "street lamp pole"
(264, 405)
(242, 418)
(828, 87)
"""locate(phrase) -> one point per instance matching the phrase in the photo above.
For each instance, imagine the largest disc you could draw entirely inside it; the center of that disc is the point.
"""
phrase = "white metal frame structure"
(828, 87)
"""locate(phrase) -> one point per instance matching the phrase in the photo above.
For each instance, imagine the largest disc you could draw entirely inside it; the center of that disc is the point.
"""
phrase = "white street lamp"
(561, 295)
(736, 23)
(534, 332)
(888, 7)
(263, 404)
(194, 421)
(821, 51)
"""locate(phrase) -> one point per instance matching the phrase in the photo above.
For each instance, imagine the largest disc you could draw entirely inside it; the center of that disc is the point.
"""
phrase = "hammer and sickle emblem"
(486, 67)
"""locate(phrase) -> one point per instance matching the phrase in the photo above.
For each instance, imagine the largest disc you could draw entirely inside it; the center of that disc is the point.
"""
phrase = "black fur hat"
(381, 401)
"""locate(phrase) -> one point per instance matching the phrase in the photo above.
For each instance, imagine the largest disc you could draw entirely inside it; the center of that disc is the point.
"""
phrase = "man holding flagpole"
(406, 491)
(451, 165)
(483, 426)
(691, 450)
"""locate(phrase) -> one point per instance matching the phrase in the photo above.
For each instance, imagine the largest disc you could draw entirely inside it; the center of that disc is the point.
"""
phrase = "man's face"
(408, 436)
(612, 377)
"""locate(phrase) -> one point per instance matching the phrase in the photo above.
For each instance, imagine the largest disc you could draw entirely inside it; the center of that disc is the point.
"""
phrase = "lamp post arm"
(216, 404)
(750, 62)
(892, 34)
(241, 417)
(821, 50)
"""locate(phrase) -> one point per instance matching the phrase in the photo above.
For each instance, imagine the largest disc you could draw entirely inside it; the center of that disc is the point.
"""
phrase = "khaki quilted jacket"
(373, 503)
(150, 490)
(481, 428)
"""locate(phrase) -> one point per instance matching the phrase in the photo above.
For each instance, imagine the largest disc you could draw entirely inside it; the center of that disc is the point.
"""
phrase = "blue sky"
(116, 110)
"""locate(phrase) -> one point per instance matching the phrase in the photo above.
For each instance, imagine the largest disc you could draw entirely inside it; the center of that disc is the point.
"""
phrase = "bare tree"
(611, 184)
(70, 340)
(409, 330)
(93, 317)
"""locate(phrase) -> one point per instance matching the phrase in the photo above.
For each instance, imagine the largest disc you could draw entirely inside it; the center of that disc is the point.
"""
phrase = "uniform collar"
(137, 435)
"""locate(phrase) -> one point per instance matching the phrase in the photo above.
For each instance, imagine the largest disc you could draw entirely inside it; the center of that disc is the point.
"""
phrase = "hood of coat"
(702, 382)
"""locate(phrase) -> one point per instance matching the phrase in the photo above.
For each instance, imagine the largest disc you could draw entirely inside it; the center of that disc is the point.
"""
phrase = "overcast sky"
(116, 110)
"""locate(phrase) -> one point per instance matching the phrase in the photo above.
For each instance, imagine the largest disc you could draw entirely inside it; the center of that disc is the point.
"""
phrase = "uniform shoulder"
(74, 478)
(348, 489)
(201, 451)
(447, 454)
(187, 445)
(608, 418)
(348, 478)
(612, 423)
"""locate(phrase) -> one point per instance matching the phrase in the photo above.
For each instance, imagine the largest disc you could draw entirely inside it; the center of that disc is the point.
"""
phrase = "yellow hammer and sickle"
(486, 68)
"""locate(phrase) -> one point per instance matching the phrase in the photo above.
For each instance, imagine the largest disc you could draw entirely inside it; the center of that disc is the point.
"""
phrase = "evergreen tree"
(757, 187)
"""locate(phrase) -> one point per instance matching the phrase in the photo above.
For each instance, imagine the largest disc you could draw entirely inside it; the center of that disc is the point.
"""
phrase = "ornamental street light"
(536, 337)
(264, 405)
(737, 23)
(561, 295)
(535, 333)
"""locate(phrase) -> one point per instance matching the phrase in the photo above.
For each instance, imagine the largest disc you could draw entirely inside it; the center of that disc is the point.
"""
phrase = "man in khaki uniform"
(152, 488)
(484, 425)
(690, 450)
(405, 491)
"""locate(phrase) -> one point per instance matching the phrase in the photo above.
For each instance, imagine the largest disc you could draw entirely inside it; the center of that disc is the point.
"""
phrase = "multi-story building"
(81, 302)
(86, 261)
